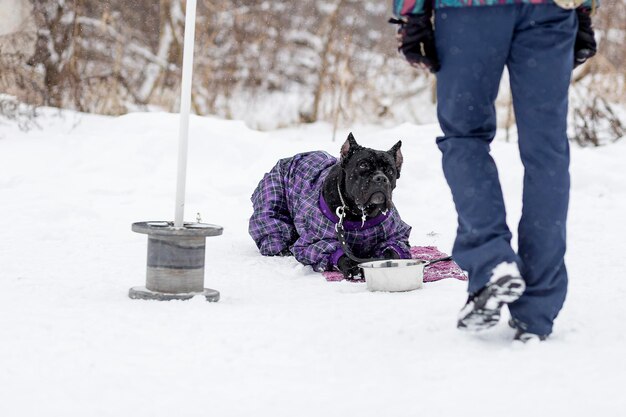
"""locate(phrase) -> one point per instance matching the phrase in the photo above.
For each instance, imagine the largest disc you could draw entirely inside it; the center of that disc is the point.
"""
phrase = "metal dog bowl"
(394, 275)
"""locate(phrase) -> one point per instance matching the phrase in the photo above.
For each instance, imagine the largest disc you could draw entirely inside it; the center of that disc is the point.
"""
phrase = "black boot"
(522, 335)
(482, 309)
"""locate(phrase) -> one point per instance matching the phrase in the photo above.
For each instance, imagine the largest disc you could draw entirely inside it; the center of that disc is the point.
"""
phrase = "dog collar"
(350, 225)
(341, 211)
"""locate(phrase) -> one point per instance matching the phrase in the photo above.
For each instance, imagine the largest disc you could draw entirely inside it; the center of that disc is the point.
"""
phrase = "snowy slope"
(282, 341)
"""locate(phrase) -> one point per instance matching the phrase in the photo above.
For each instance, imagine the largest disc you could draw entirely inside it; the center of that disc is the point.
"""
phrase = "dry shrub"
(279, 61)
(599, 88)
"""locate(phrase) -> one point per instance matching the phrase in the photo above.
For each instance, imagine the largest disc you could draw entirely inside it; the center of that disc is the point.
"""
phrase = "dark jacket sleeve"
(591, 4)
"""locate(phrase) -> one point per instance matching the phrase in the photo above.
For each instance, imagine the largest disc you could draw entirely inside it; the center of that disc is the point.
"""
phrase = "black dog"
(299, 203)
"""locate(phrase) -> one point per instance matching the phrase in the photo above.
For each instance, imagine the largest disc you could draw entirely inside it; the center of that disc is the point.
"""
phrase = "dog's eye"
(364, 165)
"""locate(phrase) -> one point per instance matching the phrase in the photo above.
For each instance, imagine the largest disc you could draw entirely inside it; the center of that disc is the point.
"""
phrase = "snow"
(14, 16)
(282, 341)
(503, 269)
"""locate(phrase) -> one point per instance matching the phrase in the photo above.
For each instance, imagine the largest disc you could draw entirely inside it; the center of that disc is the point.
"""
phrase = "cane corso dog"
(299, 203)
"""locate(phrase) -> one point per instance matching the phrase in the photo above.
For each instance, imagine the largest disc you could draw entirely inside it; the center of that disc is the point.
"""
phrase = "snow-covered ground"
(282, 341)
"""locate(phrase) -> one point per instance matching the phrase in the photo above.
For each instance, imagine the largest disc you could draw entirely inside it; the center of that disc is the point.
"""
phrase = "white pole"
(185, 108)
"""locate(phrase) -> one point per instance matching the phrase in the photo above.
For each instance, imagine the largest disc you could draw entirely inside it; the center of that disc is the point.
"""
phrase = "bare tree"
(283, 61)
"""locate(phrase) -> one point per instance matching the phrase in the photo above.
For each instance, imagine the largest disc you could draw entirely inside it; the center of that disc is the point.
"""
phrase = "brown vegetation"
(336, 57)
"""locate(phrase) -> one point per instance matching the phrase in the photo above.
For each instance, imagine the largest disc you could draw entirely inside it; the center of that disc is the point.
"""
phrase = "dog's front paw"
(390, 254)
(349, 268)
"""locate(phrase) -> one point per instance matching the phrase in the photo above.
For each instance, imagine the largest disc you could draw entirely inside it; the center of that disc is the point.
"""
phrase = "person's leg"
(540, 66)
(473, 45)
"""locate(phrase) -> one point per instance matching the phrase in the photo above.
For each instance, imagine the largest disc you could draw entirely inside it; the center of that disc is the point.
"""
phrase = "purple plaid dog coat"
(291, 214)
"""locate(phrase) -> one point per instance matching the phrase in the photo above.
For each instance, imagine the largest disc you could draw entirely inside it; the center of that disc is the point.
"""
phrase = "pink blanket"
(435, 272)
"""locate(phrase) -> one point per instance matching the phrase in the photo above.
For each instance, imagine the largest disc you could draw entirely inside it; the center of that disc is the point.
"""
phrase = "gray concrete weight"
(175, 266)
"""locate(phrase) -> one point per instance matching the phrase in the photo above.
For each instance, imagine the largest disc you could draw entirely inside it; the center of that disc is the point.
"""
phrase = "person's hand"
(585, 46)
(416, 40)
(349, 268)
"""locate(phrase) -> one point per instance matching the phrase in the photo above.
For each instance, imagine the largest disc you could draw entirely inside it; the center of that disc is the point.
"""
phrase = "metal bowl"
(394, 275)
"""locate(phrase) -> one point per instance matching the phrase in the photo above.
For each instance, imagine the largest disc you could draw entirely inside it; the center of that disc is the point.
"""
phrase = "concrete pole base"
(175, 266)
(142, 293)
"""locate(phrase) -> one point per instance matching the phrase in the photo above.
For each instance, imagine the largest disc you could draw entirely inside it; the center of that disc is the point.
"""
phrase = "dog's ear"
(349, 146)
(396, 154)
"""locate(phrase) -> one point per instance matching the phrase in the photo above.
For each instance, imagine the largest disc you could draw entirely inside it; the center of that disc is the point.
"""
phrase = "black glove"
(349, 268)
(416, 40)
(585, 46)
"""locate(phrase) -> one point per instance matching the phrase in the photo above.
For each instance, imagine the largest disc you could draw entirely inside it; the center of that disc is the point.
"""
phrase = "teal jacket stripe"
(406, 7)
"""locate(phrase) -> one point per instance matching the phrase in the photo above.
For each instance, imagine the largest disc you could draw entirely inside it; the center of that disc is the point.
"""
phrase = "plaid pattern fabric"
(291, 215)
(408, 7)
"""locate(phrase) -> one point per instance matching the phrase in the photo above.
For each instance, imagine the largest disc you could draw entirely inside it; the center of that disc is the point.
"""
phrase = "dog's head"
(369, 176)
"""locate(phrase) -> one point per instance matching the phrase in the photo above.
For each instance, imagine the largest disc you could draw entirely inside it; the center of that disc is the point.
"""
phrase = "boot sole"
(483, 312)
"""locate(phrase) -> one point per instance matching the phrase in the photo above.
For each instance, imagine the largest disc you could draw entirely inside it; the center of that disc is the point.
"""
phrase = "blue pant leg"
(540, 67)
(473, 45)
